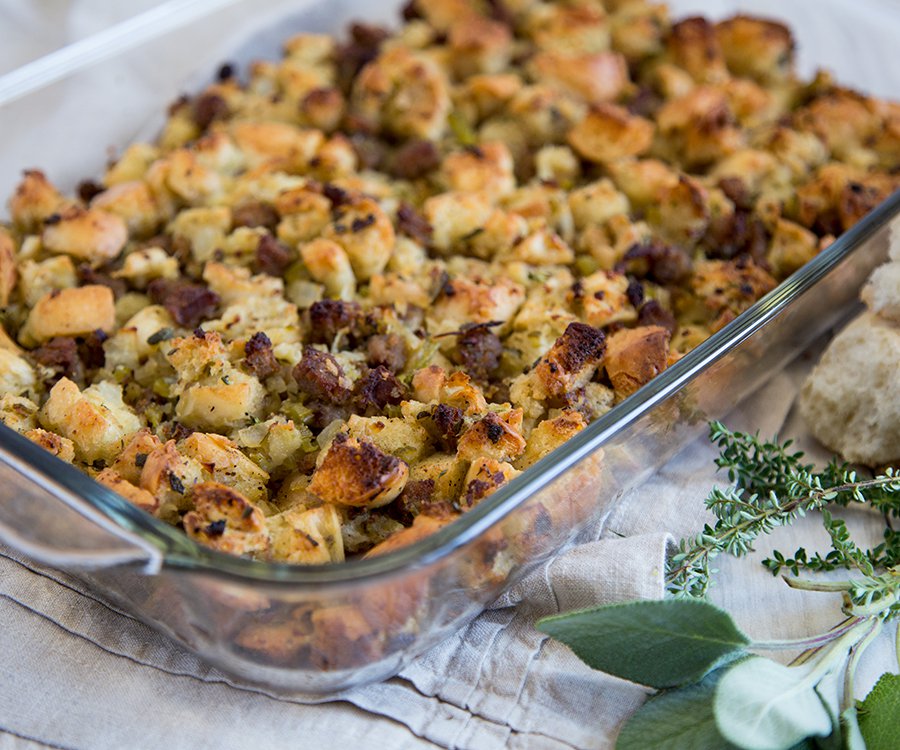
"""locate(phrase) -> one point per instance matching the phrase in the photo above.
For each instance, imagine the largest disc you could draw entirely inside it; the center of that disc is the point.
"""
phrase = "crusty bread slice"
(851, 400)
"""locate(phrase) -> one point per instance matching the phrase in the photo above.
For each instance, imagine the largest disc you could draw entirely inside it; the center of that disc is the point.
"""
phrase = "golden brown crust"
(608, 133)
(225, 520)
(634, 356)
(354, 472)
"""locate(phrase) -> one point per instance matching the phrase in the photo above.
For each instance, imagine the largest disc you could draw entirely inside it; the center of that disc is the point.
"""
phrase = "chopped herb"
(163, 334)
(176, 484)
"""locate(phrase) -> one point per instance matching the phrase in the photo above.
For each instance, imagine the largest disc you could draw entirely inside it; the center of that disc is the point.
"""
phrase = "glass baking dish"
(314, 630)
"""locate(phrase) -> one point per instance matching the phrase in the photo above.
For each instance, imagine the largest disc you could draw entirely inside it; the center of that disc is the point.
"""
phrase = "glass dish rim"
(179, 552)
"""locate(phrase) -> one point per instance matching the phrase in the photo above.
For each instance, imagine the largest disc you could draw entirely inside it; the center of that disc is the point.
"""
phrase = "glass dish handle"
(48, 522)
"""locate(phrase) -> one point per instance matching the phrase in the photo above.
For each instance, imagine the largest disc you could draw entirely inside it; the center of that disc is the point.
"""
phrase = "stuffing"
(694, 46)
(347, 294)
(62, 448)
(70, 312)
(596, 203)
(404, 93)
(329, 264)
(142, 266)
(167, 475)
(792, 246)
(86, 234)
(36, 199)
(133, 202)
(40, 278)
(595, 77)
(479, 45)
(135, 495)
(221, 459)
(756, 48)
(609, 132)
(356, 473)
(225, 520)
(698, 128)
(548, 435)
(18, 413)
(423, 526)
(604, 299)
(130, 462)
(365, 233)
(487, 167)
(491, 436)
(17, 375)
(212, 393)
(8, 272)
(306, 537)
(477, 300)
(96, 420)
(634, 356)
(484, 478)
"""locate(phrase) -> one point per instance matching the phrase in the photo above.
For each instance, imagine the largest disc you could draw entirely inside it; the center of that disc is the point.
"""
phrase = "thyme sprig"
(713, 689)
(772, 486)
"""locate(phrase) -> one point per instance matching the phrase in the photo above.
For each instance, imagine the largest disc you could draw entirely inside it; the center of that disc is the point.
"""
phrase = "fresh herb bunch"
(712, 692)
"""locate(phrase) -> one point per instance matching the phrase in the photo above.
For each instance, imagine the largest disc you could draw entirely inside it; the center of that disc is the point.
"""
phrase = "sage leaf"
(762, 705)
(657, 643)
(679, 719)
(879, 714)
(853, 739)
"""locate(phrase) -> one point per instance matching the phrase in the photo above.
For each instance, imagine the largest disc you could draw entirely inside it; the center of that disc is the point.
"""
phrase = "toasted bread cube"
(226, 520)
(17, 376)
(423, 526)
(548, 435)
(130, 462)
(356, 473)
(329, 264)
(227, 465)
(88, 234)
(70, 312)
(96, 420)
(792, 246)
(167, 475)
(403, 93)
(596, 77)
(484, 478)
(8, 273)
(609, 132)
(306, 537)
(62, 448)
(487, 167)
(634, 356)
(35, 200)
(134, 495)
(757, 47)
(221, 405)
(365, 233)
(694, 46)
(134, 203)
(492, 436)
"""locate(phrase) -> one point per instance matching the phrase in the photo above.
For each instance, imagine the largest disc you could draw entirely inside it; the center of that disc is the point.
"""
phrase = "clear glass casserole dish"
(318, 630)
